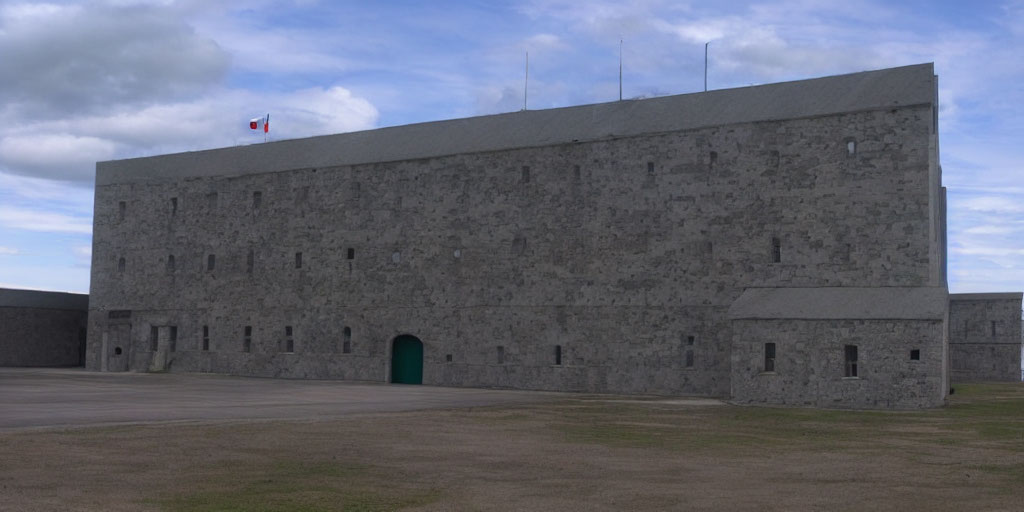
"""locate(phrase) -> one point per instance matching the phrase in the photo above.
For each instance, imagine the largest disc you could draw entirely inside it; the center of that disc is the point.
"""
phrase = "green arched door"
(407, 360)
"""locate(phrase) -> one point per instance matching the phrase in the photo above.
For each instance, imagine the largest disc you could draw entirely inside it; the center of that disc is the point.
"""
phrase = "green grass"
(299, 486)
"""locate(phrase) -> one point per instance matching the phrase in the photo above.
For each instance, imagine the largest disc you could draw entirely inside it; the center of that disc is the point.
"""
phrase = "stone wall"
(42, 328)
(985, 337)
(900, 363)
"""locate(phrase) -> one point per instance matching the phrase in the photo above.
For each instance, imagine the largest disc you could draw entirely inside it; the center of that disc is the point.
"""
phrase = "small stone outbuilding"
(42, 328)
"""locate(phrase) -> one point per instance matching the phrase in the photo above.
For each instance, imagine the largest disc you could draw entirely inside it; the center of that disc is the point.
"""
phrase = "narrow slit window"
(247, 340)
(850, 357)
(501, 354)
(298, 260)
(448, 358)
(713, 158)
(120, 264)
(257, 199)
(170, 264)
(690, 340)
(174, 338)
(851, 148)
(650, 168)
(993, 324)
(122, 208)
(776, 250)
(211, 262)
(526, 174)
(558, 355)
(206, 338)
(174, 206)
(154, 335)
(346, 344)
(576, 174)
(689, 359)
(769, 357)
(351, 254)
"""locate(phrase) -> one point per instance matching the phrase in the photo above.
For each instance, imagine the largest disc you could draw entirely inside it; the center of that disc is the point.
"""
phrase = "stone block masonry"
(42, 328)
(985, 337)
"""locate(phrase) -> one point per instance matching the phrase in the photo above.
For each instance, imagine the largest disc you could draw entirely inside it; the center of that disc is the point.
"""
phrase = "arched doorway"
(407, 360)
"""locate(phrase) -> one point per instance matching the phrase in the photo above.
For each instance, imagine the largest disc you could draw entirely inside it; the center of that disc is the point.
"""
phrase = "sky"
(88, 81)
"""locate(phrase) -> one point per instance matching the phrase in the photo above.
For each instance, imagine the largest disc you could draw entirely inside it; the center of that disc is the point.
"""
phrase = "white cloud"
(8, 251)
(35, 220)
(1000, 204)
(58, 155)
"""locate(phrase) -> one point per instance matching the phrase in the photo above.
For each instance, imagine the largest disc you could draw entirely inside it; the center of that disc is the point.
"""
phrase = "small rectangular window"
(558, 355)
(247, 342)
(915, 355)
(154, 336)
(689, 359)
(288, 330)
(993, 328)
(690, 340)
(298, 260)
(174, 338)
(174, 206)
(769, 357)
(448, 358)
(526, 174)
(289, 345)
(351, 254)
(650, 168)
(257, 199)
(206, 337)
(501, 354)
(211, 262)
(776, 250)
(122, 207)
(850, 357)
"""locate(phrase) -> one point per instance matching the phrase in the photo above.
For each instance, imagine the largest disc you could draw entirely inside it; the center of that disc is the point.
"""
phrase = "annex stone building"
(40, 328)
(985, 339)
(782, 243)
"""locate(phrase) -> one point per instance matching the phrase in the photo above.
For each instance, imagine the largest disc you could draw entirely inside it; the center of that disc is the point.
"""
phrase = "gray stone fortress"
(783, 243)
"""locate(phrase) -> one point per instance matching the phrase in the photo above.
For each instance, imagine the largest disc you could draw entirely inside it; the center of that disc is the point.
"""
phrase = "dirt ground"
(581, 453)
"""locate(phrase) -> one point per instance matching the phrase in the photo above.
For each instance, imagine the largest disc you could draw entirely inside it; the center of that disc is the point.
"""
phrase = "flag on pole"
(266, 124)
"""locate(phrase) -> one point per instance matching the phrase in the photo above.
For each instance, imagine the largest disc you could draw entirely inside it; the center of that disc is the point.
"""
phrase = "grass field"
(588, 453)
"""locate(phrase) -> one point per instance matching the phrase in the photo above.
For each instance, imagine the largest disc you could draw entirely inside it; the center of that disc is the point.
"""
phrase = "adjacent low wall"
(985, 337)
(42, 328)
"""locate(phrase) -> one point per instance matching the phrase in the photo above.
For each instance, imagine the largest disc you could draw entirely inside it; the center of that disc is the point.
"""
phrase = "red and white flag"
(256, 122)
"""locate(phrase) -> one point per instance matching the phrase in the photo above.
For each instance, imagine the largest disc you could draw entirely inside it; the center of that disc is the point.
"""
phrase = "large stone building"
(40, 328)
(783, 243)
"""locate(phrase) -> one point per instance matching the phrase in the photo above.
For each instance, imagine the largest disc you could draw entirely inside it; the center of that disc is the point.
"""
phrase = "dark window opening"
(355, 190)
(117, 351)
(713, 158)
(154, 333)
(120, 264)
(448, 358)
(576, 173)
(174, 338)
(993, 327)
(776, 250)
(174, 206)
(850, 356)
(346, 346)
(851, 148)
(915, 355)
(501, 354)
(206, 337)
(211, 262)
(351, 254)
(690, 340)
(558, 355)
(289, 345)
(257, 199)
(170, 263)
(298, 260)
(122, 207)
(249, 260)
(526, 174)
(247, 342)
(769, 357)
(650, 168)
(689, 359)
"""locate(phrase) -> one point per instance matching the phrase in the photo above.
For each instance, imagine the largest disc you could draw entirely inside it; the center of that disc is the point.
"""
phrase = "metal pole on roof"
(620, 69)
(526, 84)
(706, 66)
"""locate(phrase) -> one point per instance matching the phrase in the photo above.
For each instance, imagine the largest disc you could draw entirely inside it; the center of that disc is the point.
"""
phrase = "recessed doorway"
(407, 360)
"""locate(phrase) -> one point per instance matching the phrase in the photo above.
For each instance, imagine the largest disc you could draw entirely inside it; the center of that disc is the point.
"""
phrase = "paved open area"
(32, 398)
